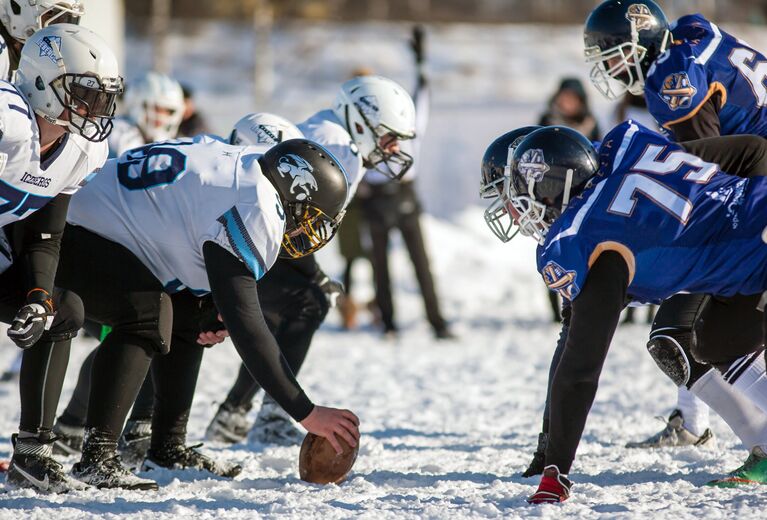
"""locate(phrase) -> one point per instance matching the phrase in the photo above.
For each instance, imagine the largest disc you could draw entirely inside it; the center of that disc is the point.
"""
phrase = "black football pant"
(395, 206)
(119, 291)
(294, 308)
(44, 365)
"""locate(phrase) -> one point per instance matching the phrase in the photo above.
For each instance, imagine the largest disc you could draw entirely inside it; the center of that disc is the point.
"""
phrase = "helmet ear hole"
(39, 84)
(15, 7)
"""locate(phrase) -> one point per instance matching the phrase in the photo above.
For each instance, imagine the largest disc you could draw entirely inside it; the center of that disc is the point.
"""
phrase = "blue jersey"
(680, 223)
(701, 61)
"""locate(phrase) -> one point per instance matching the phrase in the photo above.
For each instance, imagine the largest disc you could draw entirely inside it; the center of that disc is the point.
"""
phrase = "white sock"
(747, 376)
(747, 421)
(694, 411)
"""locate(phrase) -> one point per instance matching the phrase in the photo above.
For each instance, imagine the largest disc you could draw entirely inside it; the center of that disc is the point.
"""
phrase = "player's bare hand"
(213, 337)
(332, 422)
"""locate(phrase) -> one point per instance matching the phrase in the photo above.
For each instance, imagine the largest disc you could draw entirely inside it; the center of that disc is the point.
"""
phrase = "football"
(318, 462)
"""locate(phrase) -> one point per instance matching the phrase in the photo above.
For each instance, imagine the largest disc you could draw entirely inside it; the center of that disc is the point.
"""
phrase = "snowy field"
(446, 427)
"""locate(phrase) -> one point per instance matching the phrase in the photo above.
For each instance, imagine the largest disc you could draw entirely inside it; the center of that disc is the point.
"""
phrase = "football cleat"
(753, 471)
(101, 466)
(174, 455)
(68, 440)
(554, 487)
(675, 435)
(134, 442)
(32, 466)
(229, 425)
(274, 426)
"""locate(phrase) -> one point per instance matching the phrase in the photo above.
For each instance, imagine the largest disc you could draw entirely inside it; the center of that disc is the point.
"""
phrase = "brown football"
(319, 464)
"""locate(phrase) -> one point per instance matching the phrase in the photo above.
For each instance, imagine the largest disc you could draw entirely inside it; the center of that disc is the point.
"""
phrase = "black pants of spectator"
(44, 365)
(294, 308)
(396, 206)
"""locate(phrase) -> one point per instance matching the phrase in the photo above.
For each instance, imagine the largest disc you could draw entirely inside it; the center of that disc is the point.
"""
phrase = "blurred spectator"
(391, 205)
(193, 123)
(569, 107)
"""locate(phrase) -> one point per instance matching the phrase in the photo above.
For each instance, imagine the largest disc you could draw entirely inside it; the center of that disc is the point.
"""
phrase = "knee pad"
(154, 334)
(69, 318)
(665, 347)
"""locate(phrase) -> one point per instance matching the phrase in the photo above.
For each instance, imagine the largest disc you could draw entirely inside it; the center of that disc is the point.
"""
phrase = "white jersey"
(165, 200)
(124, 136)
(26, 182)
(326, 129)
(5, 60)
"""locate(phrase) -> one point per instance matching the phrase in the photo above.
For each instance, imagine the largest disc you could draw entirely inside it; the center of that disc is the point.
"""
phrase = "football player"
(54, 119)
(18, 21)
(209, 217)
(370, 117)
(588, 210)
(698, 81)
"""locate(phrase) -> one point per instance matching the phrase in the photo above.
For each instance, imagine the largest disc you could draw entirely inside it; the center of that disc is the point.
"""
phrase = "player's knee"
(153, 331)
(671, 351)
(69, 318)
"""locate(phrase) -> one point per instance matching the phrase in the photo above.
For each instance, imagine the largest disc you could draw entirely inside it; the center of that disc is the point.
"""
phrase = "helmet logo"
(46, 47)
(532, 165)
(267, 134)
(559, 279)
(300, 171)
(368, 105)
(677, 91)
(641, 16)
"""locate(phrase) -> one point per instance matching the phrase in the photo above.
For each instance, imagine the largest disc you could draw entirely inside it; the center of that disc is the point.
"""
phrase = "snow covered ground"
(447, 427)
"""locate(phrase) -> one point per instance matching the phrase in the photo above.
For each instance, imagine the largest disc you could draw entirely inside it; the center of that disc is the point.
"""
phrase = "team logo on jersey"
(368, 105)
(300, 171)
(677, 91)
(641, 16)
(268, 134)
(46, 47)
(532, 165)
(559, 279)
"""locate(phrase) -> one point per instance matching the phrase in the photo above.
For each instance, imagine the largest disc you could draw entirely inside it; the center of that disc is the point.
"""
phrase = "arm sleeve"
(595, 314)
(705, 122)
(235, 295)
(741, 155)
(38, 241)
(306, 265)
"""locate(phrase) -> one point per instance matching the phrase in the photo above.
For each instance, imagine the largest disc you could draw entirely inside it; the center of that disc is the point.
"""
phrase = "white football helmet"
(22, 18)
(155, 102)
(374, 108)
(263, 129)
(68, 68)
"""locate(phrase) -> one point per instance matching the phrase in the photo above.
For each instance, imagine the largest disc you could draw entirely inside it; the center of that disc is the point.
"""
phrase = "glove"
(417, 43)
(539, 457)
(554, 487)
(34, 318)
(331, 288)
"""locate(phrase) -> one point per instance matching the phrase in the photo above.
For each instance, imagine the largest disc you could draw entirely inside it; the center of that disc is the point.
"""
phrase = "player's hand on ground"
(31, 320)
(331, 288)
(213, 337)
(554, 487)
(331, 422)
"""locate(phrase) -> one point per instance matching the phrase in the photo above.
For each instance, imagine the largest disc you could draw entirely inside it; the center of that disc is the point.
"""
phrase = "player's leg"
(410, 226)
(40, 381)
(136, 436)
(117, 290)
(379, 211)
(70, 426)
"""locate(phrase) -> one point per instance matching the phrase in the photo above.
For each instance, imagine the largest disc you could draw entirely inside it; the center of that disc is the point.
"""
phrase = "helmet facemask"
(392, 164)
(535, 217)
(160, 122)
(626, 74)
(308, 229)
(61, 12)
(90, 101)
(497, 215)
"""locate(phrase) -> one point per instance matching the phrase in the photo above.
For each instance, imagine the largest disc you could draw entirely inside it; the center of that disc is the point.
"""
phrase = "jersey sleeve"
(677, 86)
(564, 267)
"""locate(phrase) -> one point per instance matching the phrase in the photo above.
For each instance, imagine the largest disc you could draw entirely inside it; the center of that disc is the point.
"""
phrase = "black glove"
(34, 318)
(418, 43)
(209, 321)
(539, 457)
(331, 288)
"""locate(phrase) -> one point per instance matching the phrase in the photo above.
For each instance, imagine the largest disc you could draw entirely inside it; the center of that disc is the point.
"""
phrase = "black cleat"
(32, 466)
(134, 442)
(68, 440)
(101, 467)
(175, 455)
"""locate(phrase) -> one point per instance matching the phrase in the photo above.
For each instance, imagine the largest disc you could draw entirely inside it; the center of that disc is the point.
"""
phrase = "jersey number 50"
(637, 182)
(150, 166)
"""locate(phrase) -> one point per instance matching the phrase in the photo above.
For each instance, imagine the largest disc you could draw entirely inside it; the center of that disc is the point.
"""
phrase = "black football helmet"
(622, 38)
(312, 187)
(548, 168)
(495, 174)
